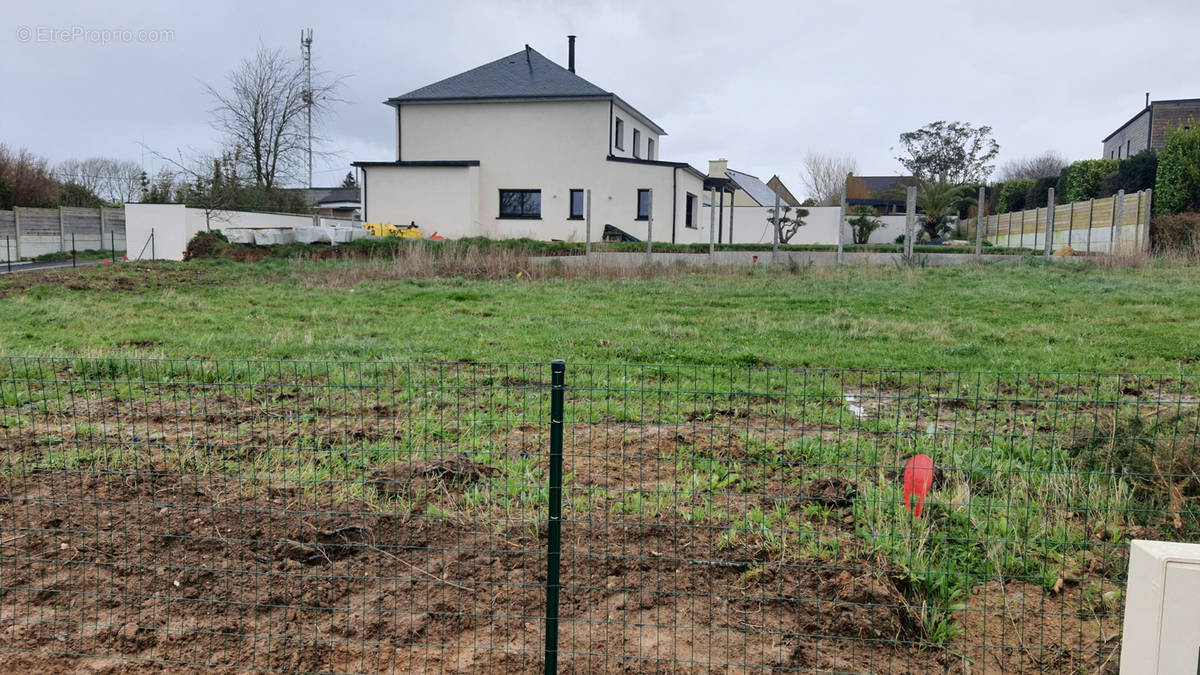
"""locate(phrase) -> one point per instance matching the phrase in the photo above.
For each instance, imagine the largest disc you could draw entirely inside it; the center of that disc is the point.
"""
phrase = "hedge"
(1178, 186)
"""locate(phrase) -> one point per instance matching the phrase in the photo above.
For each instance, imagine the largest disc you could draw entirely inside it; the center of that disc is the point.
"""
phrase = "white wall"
(444, 200)
(174, 225)
(750, 226)
(167, 222)
(630, 123)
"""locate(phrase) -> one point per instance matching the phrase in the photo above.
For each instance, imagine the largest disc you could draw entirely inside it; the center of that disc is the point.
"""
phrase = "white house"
(508, 149)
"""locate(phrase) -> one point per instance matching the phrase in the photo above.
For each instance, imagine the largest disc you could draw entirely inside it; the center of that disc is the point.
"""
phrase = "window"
(520, 203)
(576, 205)
(637, 142)
(620, 134)
(1127, 148)
(689, 214)
(649, 148)
(643, 204)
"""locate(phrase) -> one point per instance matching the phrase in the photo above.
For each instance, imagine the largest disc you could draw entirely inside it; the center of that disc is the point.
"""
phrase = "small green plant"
(864, 222)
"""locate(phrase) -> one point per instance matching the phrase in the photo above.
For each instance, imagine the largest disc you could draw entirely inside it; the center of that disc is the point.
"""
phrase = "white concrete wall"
(750, 226)
(167, 222)
(444, 200)
(174, 225)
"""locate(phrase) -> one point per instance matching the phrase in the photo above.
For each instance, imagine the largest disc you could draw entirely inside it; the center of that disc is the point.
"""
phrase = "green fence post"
(554, 543)
(112, 243)
(72, 249)
(8, 254)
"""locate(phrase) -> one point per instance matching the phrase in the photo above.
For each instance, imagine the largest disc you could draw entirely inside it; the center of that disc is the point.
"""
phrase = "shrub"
(1176, 233)
(1012, 195)
(864, 223)
(1038, 193)
(1084, 179)
(1178, 186)
(1137, 173)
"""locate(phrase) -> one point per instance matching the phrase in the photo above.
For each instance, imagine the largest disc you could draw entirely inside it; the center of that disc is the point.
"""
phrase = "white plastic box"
(1162, 609)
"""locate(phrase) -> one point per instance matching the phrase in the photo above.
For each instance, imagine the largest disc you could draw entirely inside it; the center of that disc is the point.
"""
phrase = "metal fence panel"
(396, 517)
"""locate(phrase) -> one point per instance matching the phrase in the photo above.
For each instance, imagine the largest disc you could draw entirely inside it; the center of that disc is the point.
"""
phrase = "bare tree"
(203, 181)
(1048, 163)
(113, 180)
(824, 176)
(261, 112)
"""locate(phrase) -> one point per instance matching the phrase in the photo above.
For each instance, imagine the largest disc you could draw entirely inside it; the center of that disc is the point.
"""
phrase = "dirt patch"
(1015, 627)
(129, 276)
(210, 572)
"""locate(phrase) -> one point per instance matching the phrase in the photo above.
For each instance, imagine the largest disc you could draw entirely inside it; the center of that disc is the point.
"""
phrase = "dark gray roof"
(318, 195)
(754, 187)
(525, 74)
(878, 184)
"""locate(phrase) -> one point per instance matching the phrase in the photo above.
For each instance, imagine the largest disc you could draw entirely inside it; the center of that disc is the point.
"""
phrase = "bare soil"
(166, 573)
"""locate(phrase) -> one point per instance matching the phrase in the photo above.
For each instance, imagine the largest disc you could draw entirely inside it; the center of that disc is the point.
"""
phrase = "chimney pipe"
(571, 53)
(1147, 99)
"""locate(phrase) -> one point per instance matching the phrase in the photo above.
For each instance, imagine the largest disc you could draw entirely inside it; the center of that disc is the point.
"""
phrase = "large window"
(520, 203)
(576, 205)
(637, 142)
(619, 133)
(643, 204)
(689, 216)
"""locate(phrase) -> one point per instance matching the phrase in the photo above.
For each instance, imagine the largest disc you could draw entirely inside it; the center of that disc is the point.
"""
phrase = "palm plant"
(939, 201)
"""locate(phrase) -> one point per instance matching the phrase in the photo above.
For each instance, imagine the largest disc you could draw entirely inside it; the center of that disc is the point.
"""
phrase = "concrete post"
(16, 233)
(62, 239)
(649, 223)
(712, 223)
(1119, 219)
(1049, 243)
(910, 219)
(1070, 224)
(1091, 212)
(775, 232)
(103, 222)
(979, 219)
(587, 224)
(1146, 220)
(841, 222)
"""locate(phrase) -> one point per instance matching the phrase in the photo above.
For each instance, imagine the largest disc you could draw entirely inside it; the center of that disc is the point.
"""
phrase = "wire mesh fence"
(399, 517)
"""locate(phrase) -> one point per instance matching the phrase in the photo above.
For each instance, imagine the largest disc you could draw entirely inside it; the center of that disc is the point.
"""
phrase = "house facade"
(511, 148)
(1148, 128)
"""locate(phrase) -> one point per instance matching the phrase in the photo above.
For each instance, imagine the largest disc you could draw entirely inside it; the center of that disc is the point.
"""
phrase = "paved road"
(27, 267)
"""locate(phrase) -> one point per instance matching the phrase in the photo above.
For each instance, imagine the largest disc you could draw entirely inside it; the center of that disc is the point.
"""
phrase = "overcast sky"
(761, 84)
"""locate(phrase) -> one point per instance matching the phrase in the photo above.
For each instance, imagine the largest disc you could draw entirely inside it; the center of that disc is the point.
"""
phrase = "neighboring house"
(886, 194)
(777, 185)
(748, 189)
(1148, 128)
(335, 202)
(510, 148)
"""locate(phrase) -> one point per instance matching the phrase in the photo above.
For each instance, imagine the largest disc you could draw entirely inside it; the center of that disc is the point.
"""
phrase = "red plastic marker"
(918, 477)
(106, 262)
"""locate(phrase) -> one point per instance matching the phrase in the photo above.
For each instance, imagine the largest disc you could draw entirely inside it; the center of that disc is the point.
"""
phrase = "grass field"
(719, 480)
(1029, 316)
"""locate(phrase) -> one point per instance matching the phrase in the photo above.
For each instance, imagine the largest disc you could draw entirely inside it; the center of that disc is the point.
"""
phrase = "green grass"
(85, 254)
(1020, 316)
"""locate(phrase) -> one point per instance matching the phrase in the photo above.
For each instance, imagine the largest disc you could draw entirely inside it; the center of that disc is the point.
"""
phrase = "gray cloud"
(760, 83)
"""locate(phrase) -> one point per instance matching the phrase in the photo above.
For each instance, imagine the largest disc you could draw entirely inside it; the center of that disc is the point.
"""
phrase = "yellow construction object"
(390, 230)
